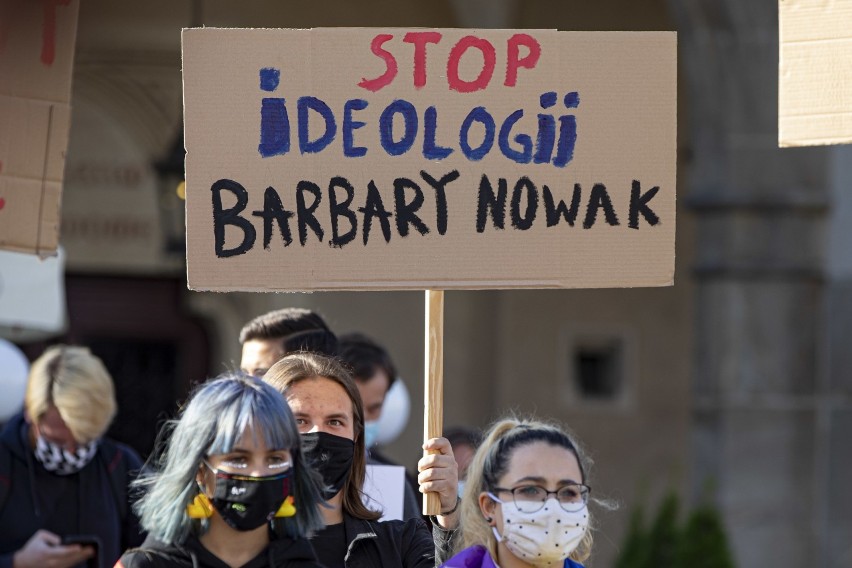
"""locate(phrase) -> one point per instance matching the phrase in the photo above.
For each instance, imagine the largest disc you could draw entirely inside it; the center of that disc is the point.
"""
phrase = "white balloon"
(395, 412)
(14, 369)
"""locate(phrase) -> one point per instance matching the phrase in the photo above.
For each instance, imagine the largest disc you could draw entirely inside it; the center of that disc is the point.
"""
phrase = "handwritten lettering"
(403, 209)
(401, 124)
(467, 44)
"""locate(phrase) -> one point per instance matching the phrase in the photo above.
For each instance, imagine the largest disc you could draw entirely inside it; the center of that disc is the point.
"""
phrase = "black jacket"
(281, 552)
(395, 544)
(83, 503)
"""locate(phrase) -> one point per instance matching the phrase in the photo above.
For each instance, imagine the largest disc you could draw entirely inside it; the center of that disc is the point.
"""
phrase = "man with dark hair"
(267, 338)
(374, 373)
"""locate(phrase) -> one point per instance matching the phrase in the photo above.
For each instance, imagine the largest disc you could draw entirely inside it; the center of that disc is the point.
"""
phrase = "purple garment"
(473, 557)
(478, 557)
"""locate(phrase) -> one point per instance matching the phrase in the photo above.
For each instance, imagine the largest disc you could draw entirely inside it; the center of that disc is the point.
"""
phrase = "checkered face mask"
(57, 460)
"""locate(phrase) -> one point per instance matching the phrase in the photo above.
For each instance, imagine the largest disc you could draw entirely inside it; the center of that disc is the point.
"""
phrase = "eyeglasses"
(531, 498)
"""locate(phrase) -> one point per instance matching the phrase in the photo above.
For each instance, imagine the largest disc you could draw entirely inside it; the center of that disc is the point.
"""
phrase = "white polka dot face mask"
(545, 537)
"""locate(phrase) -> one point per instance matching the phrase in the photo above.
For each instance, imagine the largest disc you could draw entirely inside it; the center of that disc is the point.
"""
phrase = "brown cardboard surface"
(36, 59)
(815, 72)
(625, 135)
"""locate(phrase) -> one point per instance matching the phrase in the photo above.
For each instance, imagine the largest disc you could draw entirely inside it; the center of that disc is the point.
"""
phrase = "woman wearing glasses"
(231, 487)
(525, 500)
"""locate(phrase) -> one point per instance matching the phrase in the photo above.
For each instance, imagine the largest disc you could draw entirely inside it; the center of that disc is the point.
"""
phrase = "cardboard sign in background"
(815, 72)
(616, 90)
(36, 59)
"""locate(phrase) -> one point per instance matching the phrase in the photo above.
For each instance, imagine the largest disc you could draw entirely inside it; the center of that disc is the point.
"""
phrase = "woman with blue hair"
(231, 487)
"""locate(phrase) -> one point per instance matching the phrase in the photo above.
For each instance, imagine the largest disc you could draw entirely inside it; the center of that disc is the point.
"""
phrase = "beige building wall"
(507, 350)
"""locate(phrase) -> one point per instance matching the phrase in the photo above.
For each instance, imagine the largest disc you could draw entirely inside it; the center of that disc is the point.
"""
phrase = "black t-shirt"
(330, 545)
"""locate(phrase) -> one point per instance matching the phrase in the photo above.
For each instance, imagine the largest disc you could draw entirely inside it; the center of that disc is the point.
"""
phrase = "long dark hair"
(300, 367)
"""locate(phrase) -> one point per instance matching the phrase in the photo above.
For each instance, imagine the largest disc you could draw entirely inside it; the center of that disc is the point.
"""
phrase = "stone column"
(763, 432)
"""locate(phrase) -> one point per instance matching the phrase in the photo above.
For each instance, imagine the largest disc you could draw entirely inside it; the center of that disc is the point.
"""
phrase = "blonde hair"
(78, 385)
(490, 462)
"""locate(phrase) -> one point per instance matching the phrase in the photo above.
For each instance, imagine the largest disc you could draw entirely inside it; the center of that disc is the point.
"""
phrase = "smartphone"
(86, 540)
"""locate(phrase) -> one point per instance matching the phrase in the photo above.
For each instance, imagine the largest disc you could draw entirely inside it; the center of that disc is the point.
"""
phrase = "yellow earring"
(200, 508)
(287, 508)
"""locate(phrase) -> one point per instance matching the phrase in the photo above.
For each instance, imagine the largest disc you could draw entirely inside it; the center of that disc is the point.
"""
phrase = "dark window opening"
(598, 370)
(147, 386)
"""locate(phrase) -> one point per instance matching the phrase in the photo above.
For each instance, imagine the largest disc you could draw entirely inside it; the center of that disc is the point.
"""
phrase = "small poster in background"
(384, 490)
(32, 296)
(815, 72)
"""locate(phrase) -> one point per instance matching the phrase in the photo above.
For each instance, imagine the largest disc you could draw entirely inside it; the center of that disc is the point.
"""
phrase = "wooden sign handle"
(433, 415)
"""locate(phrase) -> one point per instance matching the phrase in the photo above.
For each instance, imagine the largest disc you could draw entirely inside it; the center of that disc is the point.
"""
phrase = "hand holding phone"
(85, 542)
(46, 549)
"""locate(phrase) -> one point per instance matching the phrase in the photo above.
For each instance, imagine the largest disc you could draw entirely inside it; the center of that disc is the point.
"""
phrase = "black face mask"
(332, 457)
(247, 502)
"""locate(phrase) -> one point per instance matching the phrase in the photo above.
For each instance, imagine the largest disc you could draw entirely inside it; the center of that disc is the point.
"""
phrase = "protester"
(465, 442)
(525, 501)
(374, 372)
(330, 415)
(60, 478)
(267, 338)
(231, 487)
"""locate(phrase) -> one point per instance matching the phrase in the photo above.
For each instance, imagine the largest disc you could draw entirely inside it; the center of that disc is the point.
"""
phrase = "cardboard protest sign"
(332, 159)
(36, 58)
(815, 72)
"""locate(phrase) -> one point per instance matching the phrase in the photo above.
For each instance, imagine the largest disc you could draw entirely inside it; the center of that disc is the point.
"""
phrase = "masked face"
(55, 446)
(248, 484)
(332, 457)
(545, 537)
(373, 391)
(56, 459)
(537, 508)
(248, 502)
(371, 433)
(325, 417)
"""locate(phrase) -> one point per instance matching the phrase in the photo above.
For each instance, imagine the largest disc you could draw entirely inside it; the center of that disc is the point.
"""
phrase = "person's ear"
(487, 506)
(200, 477)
